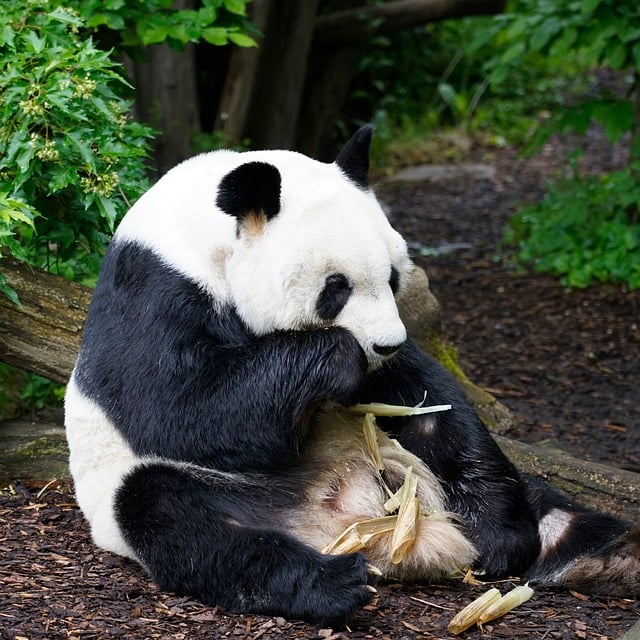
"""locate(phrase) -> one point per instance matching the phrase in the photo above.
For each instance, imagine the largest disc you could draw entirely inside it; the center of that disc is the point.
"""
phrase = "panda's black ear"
(251, 192)
(354, 157)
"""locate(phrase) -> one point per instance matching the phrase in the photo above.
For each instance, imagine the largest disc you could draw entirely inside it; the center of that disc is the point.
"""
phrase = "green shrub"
(585, 230)
(71, 159)
(135, 25)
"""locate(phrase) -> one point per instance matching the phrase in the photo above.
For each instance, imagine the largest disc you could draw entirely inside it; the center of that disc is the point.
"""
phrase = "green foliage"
(601, 32)
(522, 77)
(14, 214)
(71, 159)
(39, 392)
(22, 392)
(585, 230)
(594, 32)
(139, 24)
(421, 82)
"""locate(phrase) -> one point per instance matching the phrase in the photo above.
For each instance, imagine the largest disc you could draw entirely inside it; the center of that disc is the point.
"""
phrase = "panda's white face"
(329, 257)
(290, 242)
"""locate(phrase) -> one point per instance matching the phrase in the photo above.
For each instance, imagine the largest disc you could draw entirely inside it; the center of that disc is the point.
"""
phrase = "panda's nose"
(386, 350)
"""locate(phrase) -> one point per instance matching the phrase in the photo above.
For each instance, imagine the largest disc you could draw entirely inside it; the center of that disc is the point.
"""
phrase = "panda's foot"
(334, 590)
(613, 569)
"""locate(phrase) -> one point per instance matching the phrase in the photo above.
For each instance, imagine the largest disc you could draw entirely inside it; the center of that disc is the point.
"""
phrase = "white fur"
(552, 528)
(326, 225)
(99, 459)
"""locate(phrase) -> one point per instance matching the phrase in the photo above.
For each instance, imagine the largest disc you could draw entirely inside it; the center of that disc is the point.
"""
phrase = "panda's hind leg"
(213, 537)
(583, 549)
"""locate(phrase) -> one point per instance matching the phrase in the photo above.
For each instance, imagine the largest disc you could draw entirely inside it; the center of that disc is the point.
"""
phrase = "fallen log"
(361, 23)
(43, 336)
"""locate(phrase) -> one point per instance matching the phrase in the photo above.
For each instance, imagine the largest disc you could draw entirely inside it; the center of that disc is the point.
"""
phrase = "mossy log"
(43, 336)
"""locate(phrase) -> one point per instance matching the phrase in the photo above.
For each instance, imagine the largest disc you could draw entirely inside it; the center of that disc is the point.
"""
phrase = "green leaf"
(565, 42)
(207, 15)
(9, 291)
(513, 52)
(616, 55)
(215, 35)
(616, 118)
(112, 20)
(544, 33)
(242, 40)
(36, 44)
(179, 32)
(108, 210)
(153, 34)
(24, 158)
(236, 6)
(499, 74)
(629, 33)
(7, 36)
(447, 93)
(86, 153)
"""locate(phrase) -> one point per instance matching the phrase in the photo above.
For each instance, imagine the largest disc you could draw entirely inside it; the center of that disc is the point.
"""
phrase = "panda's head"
(315, 248)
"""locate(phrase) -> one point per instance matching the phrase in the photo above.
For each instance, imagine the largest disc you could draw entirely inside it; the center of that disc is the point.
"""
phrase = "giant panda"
(245, 299)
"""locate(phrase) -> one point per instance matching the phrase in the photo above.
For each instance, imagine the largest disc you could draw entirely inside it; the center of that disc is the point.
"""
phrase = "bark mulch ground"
(566, 362)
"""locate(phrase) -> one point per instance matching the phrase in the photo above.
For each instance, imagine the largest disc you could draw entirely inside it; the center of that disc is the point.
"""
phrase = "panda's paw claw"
(344, 587)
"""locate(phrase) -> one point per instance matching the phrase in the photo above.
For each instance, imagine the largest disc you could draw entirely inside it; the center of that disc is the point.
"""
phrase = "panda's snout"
(386, 350)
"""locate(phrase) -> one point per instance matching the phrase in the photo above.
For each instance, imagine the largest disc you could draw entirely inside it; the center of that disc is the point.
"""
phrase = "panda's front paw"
(346, 366)
(341, 586)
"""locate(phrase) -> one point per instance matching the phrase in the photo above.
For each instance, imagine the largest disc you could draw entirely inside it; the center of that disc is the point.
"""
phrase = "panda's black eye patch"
(334, 296)
(394, 280)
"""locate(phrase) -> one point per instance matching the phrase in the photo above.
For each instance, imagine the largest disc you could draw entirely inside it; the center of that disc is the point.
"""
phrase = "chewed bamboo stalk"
(360, 533)
(392, 410)
(402, 525)
(489, 606)
(472, 612)
(371, 441)
(508, 602)
(404, 533)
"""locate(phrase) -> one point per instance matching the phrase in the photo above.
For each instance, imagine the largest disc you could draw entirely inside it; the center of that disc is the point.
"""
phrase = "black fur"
(353, 159)
(591, 533)
(394, 280)
(251, 189)
(334, 296)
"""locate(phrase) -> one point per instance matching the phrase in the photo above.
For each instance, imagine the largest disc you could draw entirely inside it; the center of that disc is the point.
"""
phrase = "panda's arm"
(181, 377)
(479, 482)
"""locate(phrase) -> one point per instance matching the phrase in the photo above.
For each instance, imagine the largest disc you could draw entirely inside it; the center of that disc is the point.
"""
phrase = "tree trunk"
(167, 98)
(44, 337)
(329, 78)
(241, 80)
(280, 76)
